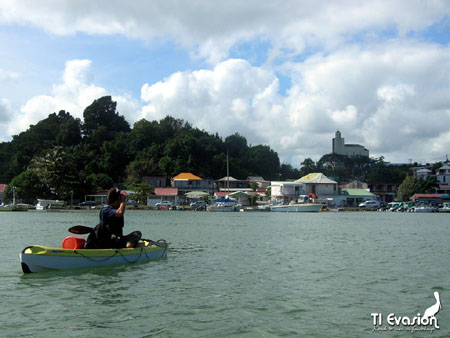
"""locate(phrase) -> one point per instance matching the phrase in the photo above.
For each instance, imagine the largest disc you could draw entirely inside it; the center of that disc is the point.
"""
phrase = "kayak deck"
(39, 258)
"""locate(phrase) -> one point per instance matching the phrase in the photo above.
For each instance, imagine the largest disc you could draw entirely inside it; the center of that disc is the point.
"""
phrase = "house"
(163, 194)
(443, 174)
(319, 185)
(229, 183)
(186, 182)
(353, 197)
(422, 173)
(351, 150)
(386, 191)
(155, 181)
(355, 185)
(433, 199)
(99, 198)
(444, 191)
(286, 191)
(2, 193)
(262, 183)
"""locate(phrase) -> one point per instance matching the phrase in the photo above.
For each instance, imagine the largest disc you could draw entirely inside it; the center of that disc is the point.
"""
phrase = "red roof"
(444, 187)
(428, 195)
(221, 193)
(2, 188)
(166, 191)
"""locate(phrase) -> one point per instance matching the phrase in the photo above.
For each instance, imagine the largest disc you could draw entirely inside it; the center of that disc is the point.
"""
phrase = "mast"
(228, 174)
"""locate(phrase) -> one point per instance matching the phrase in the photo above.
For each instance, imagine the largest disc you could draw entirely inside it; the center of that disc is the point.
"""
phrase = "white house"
(286, 191)
(319, 185)
(443, 174)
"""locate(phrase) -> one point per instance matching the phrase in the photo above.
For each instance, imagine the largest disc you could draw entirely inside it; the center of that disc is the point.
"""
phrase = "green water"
(233, 274)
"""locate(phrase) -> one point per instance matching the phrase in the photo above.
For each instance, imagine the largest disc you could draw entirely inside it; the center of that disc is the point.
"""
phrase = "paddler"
(109, 232)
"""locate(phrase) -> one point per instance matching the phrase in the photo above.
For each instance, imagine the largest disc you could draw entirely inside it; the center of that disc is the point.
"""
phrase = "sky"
(287, 74)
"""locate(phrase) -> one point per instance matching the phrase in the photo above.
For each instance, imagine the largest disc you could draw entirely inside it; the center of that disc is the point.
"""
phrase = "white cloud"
(73, 95)
(228, 98)
(352, 65)
(214, 27)
(369, 94)
(7, 75)
(5, 110)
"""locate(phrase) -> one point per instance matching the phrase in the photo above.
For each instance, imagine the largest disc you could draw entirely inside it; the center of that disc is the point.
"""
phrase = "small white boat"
(226, 205)
(300, 207)
(424, 208)
(445, 208)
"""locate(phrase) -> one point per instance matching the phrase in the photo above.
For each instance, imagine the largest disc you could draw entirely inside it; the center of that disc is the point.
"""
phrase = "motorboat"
(225, 204)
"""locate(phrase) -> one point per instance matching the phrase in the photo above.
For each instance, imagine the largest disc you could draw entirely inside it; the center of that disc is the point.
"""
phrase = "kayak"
(37, 258)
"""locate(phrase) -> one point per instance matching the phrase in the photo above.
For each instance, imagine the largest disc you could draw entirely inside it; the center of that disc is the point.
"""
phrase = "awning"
(239, 194)
(196, 194)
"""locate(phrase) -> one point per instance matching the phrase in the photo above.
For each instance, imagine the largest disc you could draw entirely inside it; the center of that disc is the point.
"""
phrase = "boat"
(424, 208)
(47, 204)
(225, 204)
(37, 258)
(305, 203)
(445, 208)
(14, 207)
(297, 207)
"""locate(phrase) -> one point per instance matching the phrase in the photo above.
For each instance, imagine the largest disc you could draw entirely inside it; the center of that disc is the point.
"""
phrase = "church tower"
(338, 145)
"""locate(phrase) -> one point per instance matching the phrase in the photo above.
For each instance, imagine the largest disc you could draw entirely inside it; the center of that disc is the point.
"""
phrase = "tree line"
(64, 157)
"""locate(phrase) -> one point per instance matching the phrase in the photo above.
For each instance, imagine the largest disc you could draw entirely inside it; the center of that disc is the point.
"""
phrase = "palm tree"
(429, 185)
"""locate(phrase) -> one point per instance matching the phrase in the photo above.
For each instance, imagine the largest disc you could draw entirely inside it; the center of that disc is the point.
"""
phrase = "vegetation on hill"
(64, 157)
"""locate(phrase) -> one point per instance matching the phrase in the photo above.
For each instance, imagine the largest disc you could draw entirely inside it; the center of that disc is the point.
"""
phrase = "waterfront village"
(189, 191)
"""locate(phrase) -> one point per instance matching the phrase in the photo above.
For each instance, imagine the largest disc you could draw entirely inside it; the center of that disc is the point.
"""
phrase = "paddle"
(82, 230)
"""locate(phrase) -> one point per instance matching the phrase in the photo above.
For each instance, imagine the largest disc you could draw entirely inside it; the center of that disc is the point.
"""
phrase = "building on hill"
(351, 150)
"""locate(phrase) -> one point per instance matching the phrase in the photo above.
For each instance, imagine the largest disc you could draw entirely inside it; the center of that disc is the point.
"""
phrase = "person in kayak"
(109, 232)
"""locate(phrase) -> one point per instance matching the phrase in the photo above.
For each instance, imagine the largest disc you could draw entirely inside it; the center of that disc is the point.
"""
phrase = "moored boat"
(300, 207)
(445, 208)
(226, 204)
(39, 258)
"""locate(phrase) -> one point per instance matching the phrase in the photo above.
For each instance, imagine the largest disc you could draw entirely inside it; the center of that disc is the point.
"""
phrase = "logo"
(425, 322)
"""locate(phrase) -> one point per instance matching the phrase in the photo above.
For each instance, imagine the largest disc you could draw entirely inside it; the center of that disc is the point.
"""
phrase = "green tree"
(142, 191)
(409, 187)
(28, 187)
(288, 172)
(429, 185)
(56, 169)
(236, 145)
(102, 112)
(308, 166)
(262, 160)
(98, 182)
(254, 186)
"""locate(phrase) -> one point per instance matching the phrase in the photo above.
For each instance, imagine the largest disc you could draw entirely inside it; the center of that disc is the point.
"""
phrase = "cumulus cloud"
(231, 97)
(369, 94)
(351, 65)
(73, 94)
(212, 28)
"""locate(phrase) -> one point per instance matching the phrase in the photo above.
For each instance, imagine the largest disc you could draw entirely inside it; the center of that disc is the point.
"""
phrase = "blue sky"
(283, 73)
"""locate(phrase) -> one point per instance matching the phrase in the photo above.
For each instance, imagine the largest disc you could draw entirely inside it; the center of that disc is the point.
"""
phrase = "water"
(233, 274)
